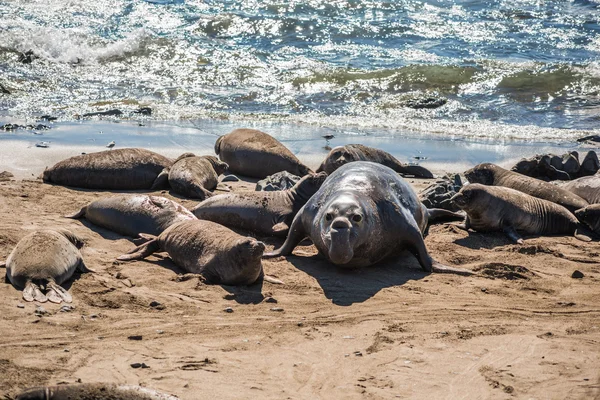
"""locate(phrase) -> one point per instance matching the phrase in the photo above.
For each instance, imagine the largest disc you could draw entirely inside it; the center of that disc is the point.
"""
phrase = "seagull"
(111, 145)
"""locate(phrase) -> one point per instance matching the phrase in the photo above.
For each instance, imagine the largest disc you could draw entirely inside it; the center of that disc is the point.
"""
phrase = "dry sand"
(523, 329)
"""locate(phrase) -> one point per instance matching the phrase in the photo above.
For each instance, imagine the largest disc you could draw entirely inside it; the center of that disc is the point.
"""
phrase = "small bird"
(111, 145)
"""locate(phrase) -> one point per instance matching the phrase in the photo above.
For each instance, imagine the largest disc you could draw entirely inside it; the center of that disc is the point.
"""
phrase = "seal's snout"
(341, 223)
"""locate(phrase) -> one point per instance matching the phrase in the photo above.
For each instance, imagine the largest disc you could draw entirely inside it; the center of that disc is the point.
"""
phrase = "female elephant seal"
(341, 155)
(121, 169)
(493, 175)
(220, 255)
(363, 213)
(256, 154)
(195, 177)
(264, 212)
(497, 208)
(45, 258)
(131, 215)
(93, 391)
(588, 188)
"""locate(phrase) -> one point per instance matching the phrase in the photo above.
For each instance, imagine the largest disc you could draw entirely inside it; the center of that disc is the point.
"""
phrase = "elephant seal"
(256, 154)
(93, 391)
(590, 216)
(217, 253)
(265, 212)
(363, 213)
(45, 258)
(130, 214)
(588, 188)
(493, 175)
(121, 169)
(194, 177)
(341, 155)
(497, 208)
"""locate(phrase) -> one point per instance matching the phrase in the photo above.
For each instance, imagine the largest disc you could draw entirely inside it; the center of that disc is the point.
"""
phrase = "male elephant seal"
(265, 212)
(363, 213)
(93, 391)
(256, 154)
(130, 214)
(341, 155)
(45, 258)
(220, 255)
(497, 208)
(195, 177)
(121, 169)
(493, 175)
(588, 188)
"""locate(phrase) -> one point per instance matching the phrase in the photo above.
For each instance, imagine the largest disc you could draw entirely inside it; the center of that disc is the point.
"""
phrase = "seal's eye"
(357, 218)
(328, 217)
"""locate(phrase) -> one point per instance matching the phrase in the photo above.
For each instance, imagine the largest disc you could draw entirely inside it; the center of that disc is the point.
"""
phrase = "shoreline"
(20, 156)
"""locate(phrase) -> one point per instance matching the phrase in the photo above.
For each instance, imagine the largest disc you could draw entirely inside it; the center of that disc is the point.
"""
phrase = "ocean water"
(513, 69)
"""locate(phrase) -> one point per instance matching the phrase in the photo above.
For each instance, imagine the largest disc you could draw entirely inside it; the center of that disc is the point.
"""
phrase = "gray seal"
(121, 169)
(93, 391)
(341, 155)
(130, 214)
(588, 188)
(45, 258)
(270, 213)
(217, 253)
(253, 153)
(493, 175)
(363, 213)
(497, 208)
(590, 216)
(195, 177)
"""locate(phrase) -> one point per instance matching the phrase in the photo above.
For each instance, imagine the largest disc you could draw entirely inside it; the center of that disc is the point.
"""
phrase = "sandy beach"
(523, 328)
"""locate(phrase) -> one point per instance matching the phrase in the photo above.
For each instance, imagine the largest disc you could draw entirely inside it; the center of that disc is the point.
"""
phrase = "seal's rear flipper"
(140, 252)
(583, 234)
(223, 187)
(83, 268)
(161, 181)
(280, 227)
(32, 292)
(437, 214)
(57, 294)
(272, 279)
(512, 234)
(444, 269)
(78, 214)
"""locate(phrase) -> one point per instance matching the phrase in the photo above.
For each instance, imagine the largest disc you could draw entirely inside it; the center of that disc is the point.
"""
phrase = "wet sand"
(523, 328)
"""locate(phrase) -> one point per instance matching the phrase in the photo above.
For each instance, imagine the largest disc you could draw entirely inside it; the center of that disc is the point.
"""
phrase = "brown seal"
(493, 175)
(341, 155)
(132, 214)
(45, 258)
(497, 208)
(588, 188)
(195, 177)
(121, 169)
(363, 213)
(93, 391)
(220, 255)
(271, 213)
(256, 154)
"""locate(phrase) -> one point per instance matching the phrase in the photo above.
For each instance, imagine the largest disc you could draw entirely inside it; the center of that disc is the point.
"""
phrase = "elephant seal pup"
(341, 155)
(497, 208)
(363, 213)
(265, 212)
(93, 391)
(588, 188)
(195, 177)
(493, 175)
(220, 255)
(121, 169)
(256, 154)
(45, 258)
(131, 214)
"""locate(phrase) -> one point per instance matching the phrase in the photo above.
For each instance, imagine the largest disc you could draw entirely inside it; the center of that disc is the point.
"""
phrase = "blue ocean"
(513, 69)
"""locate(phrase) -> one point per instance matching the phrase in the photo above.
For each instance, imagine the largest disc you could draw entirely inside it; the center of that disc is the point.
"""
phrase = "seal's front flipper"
(223, 187)
(83, 268)
(583, 234)
(444, 269)
(32, 292)
(78, 214)
(415, 170)
(295, 235)
(439, 214)
(57, 294)
(512, 234)
(3, 264)
(140, 252)
(161, 181)
(280, 228)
